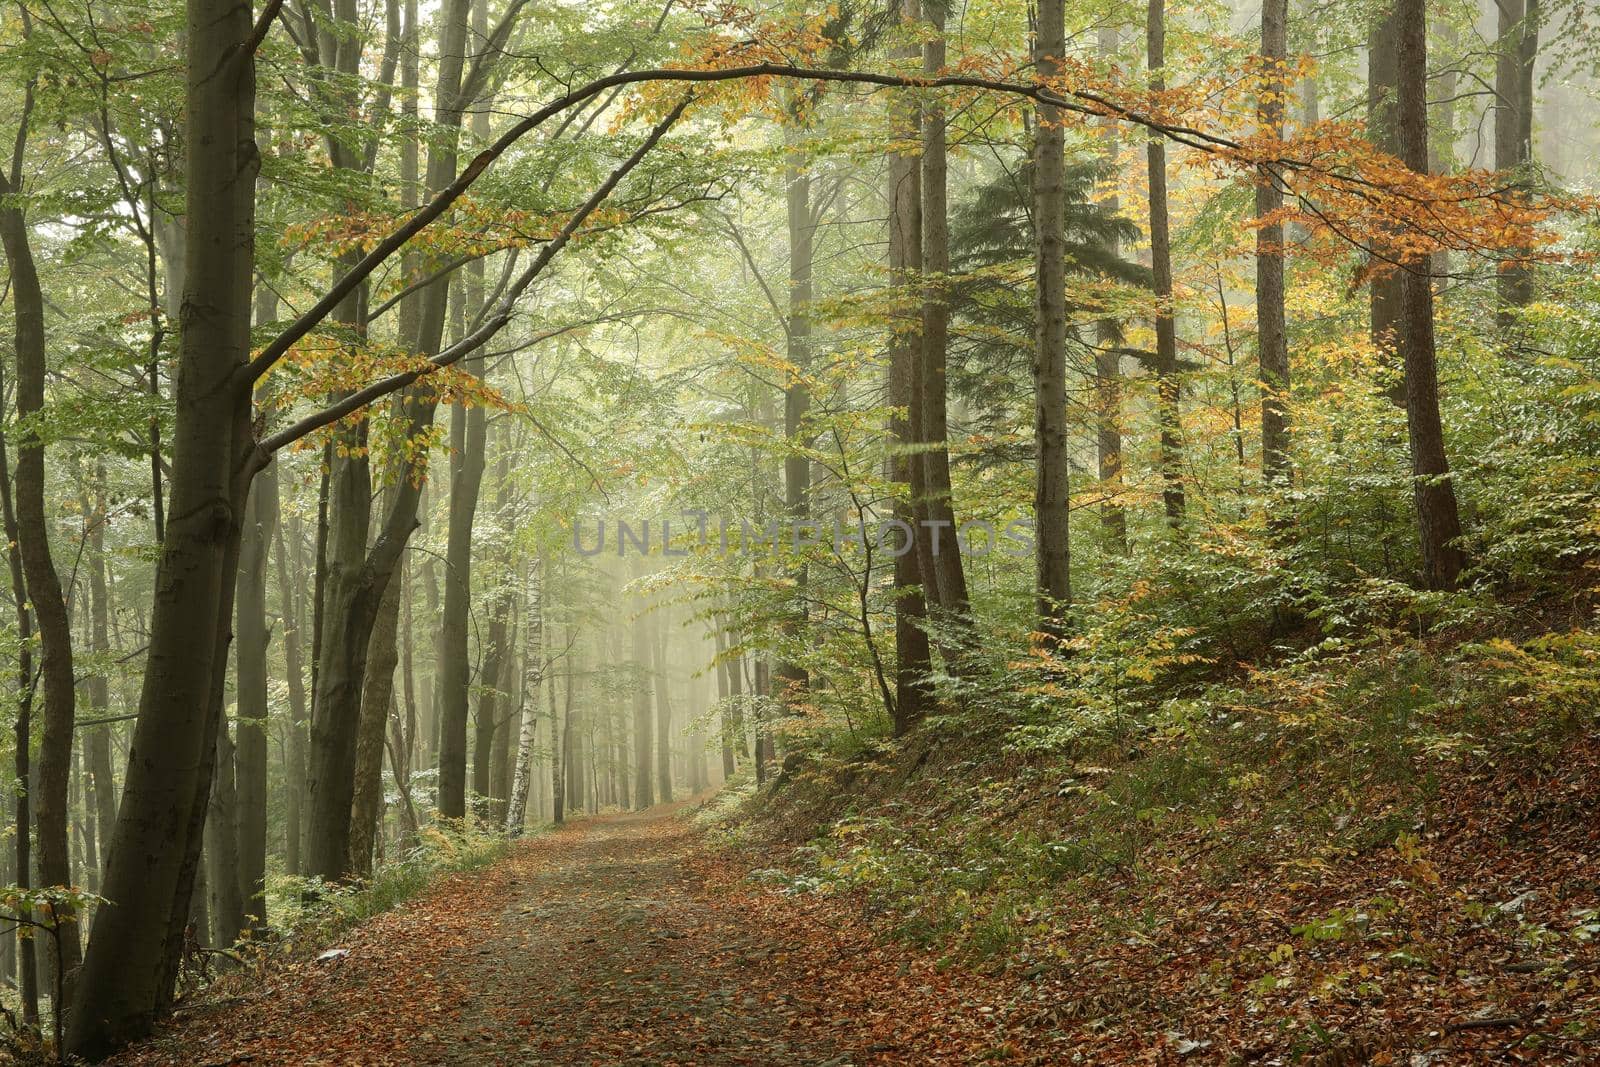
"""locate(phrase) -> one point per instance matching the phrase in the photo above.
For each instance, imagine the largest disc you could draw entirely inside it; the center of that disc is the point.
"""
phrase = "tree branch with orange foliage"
(1345, 185)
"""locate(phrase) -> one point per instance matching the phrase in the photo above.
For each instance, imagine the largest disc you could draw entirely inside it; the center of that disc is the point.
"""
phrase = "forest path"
(615, 940)
(615, 951)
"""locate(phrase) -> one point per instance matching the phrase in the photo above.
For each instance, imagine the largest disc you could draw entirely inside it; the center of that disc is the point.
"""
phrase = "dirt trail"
(614, 941)
(614, 952)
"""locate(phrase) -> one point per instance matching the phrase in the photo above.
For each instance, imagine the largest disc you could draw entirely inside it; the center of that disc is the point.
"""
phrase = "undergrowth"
(311, 909)
(1336, 753)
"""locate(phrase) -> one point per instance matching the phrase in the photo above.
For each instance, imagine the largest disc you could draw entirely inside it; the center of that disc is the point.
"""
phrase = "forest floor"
(615, 940)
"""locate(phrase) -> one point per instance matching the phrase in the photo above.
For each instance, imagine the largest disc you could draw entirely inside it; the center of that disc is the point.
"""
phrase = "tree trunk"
(1167, 388)
(222, 848)
(290, 620)
(533, 675)
(1383, 129)
(949, 582)
(467, 426)
(1516, 47)
(1272, 341)
(97, 739)
(469, 445)
(725, 712)
(22, 742)
(912, 656)
(1108, 367)
(792, 677)
(402, 742)
(558, 741)
(643, 792)
(377, 697)
(250, 665)
(696, 770)
(506, 710)
(764, 745)
(54, 768)
(1438, 523)
(487, 725)
(1051, 495)
(572, 734)
(250, 676)
(341, 664)
(85, 866)
(493, 692)
(154, 852)
(663, 709)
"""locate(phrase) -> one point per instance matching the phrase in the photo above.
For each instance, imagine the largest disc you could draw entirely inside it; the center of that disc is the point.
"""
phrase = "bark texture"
(1166, 365)
(155, 850)
(912, 653)
(949, 580)
(1272, 340)
(1438, 522)
(1052, 550)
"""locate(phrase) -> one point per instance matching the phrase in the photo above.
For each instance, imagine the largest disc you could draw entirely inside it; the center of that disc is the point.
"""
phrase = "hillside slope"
(1387, 854)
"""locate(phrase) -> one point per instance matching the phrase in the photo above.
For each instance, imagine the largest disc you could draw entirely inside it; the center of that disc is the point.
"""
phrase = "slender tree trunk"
(696, 770)
(250, 677)
(1383, 128)
(506, 711)
(664, 732)
(1167, 387)
(533, 671)
(558, 741)
(733, 666)
(1516, 47)
(1272, 340)
(85, 866)
(497, 661)
(467, 428)
(949, 578)
(912, 655)
(469, 442)
(97, 739)
(620, 755)
(155, 850)
(1051, 496)
(290, 620)
(377, 697)
(430, 713)
(222, 847)
(644, 792)
(729, 767)
(792, 677)
(1108, 365)
(22, 741)
(764, 748)
(1438, 522)
(402, 743)
(572, 734)
(54, 769)
(8, 876)
(1309, 38)
(250, 665)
